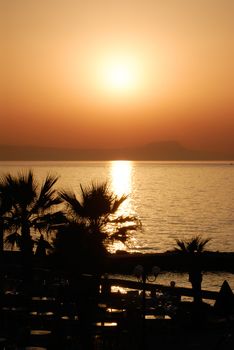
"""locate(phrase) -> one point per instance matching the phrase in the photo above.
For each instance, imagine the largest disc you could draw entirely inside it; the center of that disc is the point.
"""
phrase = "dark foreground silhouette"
(63, 309)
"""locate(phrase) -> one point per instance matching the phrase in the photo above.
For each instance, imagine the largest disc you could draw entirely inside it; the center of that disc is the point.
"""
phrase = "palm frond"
(47, 196)
(13, 240)
(195, 244)
(72, 202)
(96, 210)
(29, 205)
(123, 219)
(21, 189)
(5, 199)
(98, 201)
(117, 202)
(122, 233)
(181, 245)
(49, 221)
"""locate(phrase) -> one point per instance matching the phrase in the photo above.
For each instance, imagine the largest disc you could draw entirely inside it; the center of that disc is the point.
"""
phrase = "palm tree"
(92, 220)
(194, 245)
(5, 205)
(193, 248)
(76, 247)
(31, 207)
(97, 209)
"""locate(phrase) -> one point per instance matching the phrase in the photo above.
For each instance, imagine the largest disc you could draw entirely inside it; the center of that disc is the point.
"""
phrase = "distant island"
(161, 151)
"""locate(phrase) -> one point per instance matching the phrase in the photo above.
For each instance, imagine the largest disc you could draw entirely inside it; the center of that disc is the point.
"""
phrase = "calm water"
(172, 200)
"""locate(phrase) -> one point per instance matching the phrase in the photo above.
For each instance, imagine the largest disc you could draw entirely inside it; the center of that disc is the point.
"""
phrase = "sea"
(172, 200)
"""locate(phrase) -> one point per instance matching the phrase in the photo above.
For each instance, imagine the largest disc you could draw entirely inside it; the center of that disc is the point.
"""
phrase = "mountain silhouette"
(164, 151)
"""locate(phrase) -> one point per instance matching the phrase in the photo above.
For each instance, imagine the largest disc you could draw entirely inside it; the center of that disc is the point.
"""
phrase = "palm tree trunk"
(1, 253)
(1, 236)
(26, 239)
(195, 278)
(26, 249)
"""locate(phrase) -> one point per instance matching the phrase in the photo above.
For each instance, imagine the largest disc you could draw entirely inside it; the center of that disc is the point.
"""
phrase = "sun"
(116, 78)
(120, 75)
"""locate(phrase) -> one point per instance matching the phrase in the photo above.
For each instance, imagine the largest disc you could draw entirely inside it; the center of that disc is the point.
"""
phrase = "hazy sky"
(114, 73)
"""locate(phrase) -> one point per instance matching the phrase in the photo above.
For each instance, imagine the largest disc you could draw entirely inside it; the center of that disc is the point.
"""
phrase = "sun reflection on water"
(121, 177)
(121, 173)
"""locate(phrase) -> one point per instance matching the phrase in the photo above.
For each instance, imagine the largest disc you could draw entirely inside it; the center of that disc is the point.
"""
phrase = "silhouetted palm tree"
(5, 206)
(92, 219)
(193, 245)
(193, 248)
(31, 207)
(97, 209)
(78, 248)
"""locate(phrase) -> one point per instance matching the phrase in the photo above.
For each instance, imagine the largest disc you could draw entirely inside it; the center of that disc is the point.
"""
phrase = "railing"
(182, 291)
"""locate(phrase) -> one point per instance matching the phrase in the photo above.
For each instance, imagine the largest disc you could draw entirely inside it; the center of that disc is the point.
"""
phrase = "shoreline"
(124, 263)
(170, 261)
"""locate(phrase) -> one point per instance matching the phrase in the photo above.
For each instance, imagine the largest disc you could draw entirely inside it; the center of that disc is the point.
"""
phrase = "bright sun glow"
(120, 76)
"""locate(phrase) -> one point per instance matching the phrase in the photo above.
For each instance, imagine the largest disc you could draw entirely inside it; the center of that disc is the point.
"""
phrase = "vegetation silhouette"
(5, 206)
(80, 244)
(192, 250)
(28, 206)
(92, 220)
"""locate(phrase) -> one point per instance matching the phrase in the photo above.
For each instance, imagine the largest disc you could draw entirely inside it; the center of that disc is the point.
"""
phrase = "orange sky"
(59, 56)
